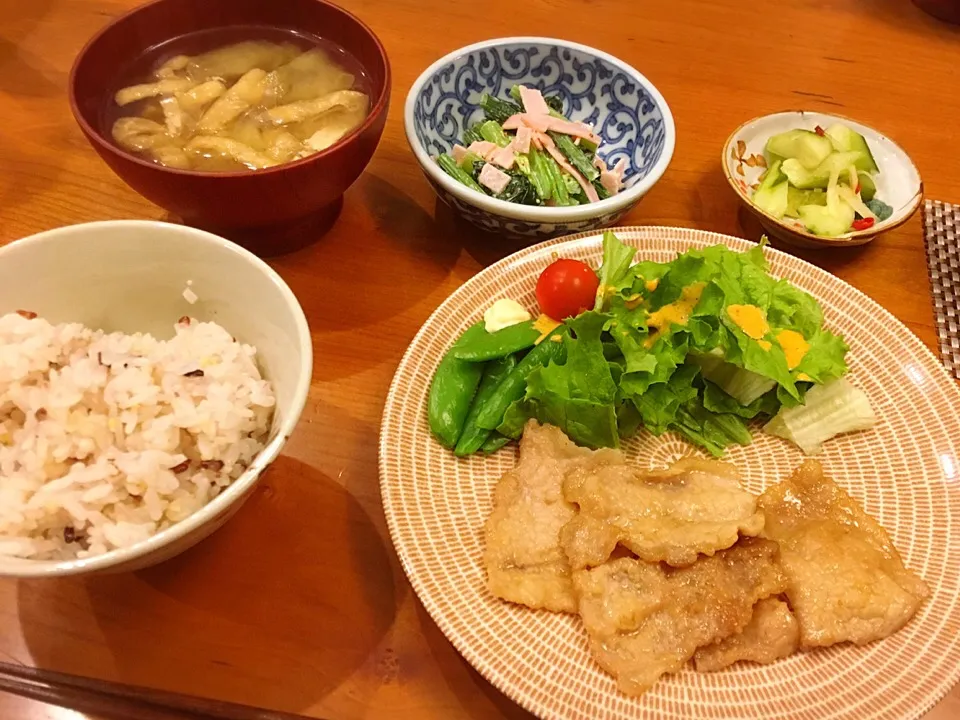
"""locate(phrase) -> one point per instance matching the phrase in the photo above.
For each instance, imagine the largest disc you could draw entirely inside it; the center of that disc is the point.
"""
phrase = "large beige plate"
(906, 473)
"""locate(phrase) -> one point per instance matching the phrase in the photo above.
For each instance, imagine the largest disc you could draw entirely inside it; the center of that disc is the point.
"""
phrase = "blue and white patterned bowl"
(625, 109)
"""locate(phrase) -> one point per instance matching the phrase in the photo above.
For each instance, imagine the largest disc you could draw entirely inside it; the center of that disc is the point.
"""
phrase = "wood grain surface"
(299, 604)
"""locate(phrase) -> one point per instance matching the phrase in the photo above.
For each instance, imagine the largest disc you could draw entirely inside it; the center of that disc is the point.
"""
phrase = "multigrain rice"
(106, 439)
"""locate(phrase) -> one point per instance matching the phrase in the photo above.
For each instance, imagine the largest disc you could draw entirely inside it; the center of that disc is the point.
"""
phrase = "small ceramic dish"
(898, 182)
(623, 107)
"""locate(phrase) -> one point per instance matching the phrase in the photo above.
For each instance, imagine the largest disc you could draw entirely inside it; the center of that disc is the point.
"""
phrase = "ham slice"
(610, 181)
(545, 139)
(493, 179)
(504, 157)
(521, 143)
(533, 101)
(574, 129)
(458, 152)
(483, 148)
(589, 190)
(542, 123)
(514, 122)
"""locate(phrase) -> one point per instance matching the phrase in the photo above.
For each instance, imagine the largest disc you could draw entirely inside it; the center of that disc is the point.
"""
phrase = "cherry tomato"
(863, 223)
(566, 288)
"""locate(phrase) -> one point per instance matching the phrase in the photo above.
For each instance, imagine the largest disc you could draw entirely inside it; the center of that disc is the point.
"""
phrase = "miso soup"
(257, 102)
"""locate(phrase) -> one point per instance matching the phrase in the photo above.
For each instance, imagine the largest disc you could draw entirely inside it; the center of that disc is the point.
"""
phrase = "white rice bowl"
(107, 439)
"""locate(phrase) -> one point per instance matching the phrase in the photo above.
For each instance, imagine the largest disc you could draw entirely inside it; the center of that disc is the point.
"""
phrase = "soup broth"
(238, 99)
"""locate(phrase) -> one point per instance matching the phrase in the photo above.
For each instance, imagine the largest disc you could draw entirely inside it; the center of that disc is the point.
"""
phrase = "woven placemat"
(941, 223)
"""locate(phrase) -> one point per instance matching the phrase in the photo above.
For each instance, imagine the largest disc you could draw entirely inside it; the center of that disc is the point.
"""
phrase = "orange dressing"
(546, 325)
(751, 319)
(676, 313)
(794, 346)
(652, 285)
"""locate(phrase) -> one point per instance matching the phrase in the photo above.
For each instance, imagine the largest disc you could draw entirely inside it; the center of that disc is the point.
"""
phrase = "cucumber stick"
(844, 139)
(826, 221)
(797, 198)
(823, 178)
(773, 175)
(771, 195)
(868, 187)
(805, 146)
(806, 179)
(773, 200)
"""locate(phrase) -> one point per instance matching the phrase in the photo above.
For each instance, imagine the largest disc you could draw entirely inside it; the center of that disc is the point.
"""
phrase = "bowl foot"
(281, 238)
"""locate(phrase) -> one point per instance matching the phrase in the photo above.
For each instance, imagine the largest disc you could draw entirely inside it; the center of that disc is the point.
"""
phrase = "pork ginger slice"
(693, 507)
(647, 619)
(845, 579)
(524, 561)
(771, 634)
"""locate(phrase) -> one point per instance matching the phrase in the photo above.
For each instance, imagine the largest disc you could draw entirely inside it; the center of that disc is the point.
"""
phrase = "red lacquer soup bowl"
(226, 200)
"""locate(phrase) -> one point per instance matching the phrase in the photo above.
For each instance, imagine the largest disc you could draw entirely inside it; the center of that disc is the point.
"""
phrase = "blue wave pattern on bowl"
(522, 228)
(593, 90)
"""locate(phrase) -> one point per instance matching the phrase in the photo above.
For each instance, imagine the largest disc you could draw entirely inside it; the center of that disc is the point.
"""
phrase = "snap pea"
(451, 394)
(513, 385)
(480, 347)
(494, 442)
(473, 437)
(471, 336)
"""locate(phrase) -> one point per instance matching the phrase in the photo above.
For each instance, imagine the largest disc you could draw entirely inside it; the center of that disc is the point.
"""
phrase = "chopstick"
(123, 701)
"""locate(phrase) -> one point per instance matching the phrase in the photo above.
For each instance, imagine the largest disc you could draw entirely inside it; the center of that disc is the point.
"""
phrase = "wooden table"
(299, 603)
